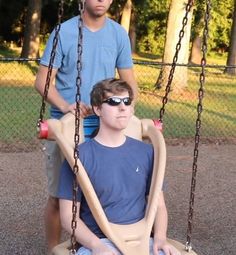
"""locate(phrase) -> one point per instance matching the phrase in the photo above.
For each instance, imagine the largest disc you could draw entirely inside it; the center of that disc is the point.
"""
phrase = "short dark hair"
(102, 88)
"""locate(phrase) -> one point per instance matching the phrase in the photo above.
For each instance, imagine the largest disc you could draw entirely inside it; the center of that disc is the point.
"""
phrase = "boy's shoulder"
(115, 25)
(68, 24)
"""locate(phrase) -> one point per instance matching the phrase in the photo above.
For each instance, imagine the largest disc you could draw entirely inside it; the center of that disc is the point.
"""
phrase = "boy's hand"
(85, 110)
(163, 245)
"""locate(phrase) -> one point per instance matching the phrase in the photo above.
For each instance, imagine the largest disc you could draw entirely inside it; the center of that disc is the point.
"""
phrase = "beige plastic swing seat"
(131, 239)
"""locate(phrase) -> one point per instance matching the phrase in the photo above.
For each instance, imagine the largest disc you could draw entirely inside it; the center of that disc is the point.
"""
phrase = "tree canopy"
(150, 17)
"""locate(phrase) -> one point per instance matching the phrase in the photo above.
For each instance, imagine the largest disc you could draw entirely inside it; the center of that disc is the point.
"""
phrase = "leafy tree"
(151, 18)
(116, 9)
(148, 22)
(220, 24)
(50, 13)
(12, 20)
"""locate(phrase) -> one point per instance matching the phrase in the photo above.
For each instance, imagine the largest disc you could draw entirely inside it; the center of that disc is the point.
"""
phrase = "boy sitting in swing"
(120, 170)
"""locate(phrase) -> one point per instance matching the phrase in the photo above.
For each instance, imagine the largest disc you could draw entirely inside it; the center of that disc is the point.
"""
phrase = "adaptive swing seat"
(131, 239)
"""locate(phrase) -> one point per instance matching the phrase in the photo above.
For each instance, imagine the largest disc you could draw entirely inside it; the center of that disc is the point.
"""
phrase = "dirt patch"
(23, 195)
(36, 144)
(20, 146)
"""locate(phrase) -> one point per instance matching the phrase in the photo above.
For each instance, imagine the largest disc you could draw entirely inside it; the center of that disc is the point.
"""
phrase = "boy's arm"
(128, 76)
(160, 230)
(82, 233)
(54, 97)
(161, 221)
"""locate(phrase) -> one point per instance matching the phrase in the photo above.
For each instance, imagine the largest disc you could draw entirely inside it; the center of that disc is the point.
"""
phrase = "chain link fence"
(20, 103)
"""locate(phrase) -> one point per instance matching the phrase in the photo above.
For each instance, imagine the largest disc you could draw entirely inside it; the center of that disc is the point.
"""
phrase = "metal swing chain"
(175, 59)
(50, 66)
(77, 125)
(188, 246)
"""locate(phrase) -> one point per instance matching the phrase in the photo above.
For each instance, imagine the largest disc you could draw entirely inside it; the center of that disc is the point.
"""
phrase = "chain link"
(188, 246)
(77, 124)
(51, 61)
(175, 59)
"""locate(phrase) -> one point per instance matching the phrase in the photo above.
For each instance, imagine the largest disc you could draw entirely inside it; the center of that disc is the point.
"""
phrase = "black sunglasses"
(114, 101)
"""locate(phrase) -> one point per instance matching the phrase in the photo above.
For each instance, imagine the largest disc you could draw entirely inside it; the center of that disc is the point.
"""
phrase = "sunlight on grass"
(20, 103)
(17, 74)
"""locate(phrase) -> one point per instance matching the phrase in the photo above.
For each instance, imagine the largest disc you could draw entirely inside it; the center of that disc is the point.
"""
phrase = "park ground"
(23, 196)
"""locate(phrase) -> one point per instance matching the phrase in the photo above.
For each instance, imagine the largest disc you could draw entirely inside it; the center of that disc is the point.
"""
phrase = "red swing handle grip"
(158, 124)
(42, 130)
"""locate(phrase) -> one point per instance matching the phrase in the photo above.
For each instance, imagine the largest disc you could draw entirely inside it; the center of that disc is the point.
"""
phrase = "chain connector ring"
(188, 247)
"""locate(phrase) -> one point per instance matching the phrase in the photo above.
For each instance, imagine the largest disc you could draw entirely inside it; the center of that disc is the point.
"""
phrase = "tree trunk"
(174, 25)
(126, 15)
(231, 60)
(132, 33)
(30, 47)
(196, 53)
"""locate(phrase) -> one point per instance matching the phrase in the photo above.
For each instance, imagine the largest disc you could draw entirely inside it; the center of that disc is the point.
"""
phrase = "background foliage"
(150, 21)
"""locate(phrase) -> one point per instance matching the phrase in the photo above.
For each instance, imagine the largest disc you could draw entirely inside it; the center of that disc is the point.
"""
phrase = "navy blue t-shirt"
(121, 178)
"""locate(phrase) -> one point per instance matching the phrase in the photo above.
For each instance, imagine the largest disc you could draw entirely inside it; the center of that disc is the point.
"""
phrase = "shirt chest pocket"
(108, 56)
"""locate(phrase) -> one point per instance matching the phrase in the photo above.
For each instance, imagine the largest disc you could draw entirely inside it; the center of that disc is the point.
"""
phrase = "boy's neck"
(111, 139)
(92, 23)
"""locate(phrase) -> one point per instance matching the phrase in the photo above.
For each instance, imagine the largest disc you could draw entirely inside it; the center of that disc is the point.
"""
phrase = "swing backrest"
(131, 239)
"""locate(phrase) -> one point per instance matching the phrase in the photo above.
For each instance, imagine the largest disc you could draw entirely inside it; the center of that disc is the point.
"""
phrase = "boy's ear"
(96, 110)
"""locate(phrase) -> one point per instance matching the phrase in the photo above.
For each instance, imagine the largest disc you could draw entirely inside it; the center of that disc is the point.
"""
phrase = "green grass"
(20, 103)
(217, 58)
(18, 113)
(219, 107)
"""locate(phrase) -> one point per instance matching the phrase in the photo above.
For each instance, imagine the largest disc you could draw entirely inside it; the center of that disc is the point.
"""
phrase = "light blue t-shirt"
(121, 178)
(103, 51)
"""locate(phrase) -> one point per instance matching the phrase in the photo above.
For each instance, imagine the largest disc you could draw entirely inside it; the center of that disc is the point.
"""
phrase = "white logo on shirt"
(137, 169)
